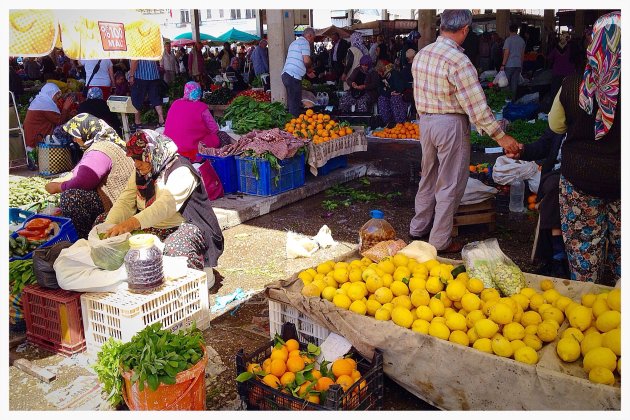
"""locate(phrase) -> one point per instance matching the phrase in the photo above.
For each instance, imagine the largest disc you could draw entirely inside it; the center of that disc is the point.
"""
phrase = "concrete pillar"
(503, 22)
(578, 28)
(426, 26)
(194, 24)
(384, 15)
(280, 34)
(259, 23)
(549, 26)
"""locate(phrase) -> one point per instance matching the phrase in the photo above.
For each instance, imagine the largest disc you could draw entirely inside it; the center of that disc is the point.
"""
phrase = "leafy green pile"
(496, 97)
(523, 131)
(247, 114)
(341, 195)
(20, 275)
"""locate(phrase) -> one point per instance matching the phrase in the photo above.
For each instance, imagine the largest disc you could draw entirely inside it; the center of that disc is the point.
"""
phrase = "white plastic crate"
(120, 315)
(308, 330)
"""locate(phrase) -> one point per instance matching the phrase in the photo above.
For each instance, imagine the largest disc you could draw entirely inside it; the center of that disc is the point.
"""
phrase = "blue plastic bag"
(512, 111)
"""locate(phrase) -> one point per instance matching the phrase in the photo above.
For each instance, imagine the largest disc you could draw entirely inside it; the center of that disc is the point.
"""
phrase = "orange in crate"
(53, 319)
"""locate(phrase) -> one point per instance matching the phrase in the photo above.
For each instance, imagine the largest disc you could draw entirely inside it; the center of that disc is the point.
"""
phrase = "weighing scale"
(123, 106)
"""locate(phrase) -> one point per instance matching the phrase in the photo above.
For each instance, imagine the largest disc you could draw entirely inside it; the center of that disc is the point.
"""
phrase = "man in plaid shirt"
(447, 93)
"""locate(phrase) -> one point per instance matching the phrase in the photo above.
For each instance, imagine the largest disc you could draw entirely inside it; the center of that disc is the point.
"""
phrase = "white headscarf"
(44, 99)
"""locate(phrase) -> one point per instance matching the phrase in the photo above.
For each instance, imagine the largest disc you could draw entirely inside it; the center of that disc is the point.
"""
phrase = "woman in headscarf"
(189, 122)
(234, 71)
(561, 62)
(364, 83)
(99, 177)
(353, 57)
(42, 117)
(97, 106)
(166, 197)
(391, 106)
(588, 108)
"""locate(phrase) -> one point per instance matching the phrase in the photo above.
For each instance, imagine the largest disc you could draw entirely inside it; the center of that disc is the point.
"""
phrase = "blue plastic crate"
(67, 232)
(225, 167)
(18, 216)
(257, 177)
(332, 164)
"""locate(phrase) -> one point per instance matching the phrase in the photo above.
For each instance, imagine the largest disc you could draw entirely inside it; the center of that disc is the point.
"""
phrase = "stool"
(475, 214)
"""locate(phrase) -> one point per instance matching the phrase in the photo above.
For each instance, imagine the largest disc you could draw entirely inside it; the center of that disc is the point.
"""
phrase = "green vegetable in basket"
(21, 274)
(483, 271)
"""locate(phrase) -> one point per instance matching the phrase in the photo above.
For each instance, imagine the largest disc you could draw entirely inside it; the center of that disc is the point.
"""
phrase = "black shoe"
(418, 238)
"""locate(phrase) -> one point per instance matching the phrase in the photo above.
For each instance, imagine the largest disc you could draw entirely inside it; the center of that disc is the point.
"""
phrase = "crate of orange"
(401, 131)
(283, 375)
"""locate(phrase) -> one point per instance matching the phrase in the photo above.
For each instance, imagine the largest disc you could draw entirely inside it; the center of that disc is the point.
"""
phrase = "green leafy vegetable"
(20, 275)
(107, 368)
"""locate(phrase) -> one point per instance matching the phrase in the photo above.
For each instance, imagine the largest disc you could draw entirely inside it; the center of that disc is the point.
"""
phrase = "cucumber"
(458, 270)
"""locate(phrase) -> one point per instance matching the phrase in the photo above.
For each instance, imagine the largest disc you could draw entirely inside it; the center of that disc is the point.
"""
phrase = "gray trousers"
(445, 141)
(294, 94)
(514, 76)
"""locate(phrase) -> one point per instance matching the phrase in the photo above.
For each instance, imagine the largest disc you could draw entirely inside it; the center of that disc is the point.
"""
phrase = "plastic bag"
(301, 246)
(108, 253)
(501, 79)
(514, 111)
(476, 192)
(507, 170)
(384, 249)
(420, 251)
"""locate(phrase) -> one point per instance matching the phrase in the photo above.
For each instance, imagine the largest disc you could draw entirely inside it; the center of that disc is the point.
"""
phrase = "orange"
(292, 345)
(309, 112)
(531, 198)
(278, 367)
(294, 353)
(253, 367)
(316, 374)
(352, 363)
(266, 366)
(302, 390)
(295, 364)
(281, 354)
(313, 398)
(342, 367)
(272, 381)
(324, 383)
(356, 375)
(345, 381)
(306, 359)
(287, 378)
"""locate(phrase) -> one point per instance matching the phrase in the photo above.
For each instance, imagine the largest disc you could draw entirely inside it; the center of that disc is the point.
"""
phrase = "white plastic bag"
(507, 170)
(301, 246)
(488, 75)
(501, 79)
(530, 98)
(108, 253)
(476, 192)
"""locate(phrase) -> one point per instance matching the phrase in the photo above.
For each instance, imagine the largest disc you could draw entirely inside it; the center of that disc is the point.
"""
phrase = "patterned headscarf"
(357, 41)
(603, 71)
(388, 69)
(95, 93)
(192, 91)
(156, 149)
(92, 130)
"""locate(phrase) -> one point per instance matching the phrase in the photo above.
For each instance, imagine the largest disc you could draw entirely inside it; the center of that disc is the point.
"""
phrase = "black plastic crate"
(259, 396)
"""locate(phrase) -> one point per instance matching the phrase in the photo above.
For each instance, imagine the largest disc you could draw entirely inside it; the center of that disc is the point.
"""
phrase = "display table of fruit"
(401, 131)
(448, 339)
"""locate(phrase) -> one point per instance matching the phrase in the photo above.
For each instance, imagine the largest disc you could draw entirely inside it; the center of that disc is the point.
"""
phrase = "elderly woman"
(166, 197)
(99, 177)
(238, 83)
(189, 122)
(97, 106)
(42, 117)
(353, 57)
(391, 106)
(364, 83)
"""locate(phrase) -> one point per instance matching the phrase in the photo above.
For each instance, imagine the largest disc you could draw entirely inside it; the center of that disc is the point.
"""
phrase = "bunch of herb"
(247, 114)
(107, 368)
(341, 195)
(524, 132)
(496, 97)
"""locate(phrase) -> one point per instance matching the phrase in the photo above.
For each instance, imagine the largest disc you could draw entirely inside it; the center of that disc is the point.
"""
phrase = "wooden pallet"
(475, 214)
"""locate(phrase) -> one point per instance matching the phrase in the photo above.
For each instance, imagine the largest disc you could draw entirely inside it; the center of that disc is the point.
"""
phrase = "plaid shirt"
(446, 82)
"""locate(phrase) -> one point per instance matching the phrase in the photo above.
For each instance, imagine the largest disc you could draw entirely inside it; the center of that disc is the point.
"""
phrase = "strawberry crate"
(53, 319)
(307, 329)
(365, 394)
(122, 314)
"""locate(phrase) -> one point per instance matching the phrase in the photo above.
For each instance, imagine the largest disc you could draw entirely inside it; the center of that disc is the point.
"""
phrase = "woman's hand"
(53, 187)
(354, 85)
(68, 103)
(127, 226)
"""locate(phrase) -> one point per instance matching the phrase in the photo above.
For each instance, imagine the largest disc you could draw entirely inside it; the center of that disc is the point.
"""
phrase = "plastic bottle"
(517, 193)
(144, 264)
(374, 231)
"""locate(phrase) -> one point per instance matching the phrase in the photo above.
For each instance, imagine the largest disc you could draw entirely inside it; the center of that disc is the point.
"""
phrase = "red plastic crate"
(53, 319)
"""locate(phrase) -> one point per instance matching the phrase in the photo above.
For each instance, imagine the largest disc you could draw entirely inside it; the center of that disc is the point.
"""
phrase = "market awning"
(332, 29)
(189, 36)
(234, 35)
(84, 34)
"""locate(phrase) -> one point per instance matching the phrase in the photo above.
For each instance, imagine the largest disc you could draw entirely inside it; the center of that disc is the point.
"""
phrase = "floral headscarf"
(357, 41)
(94, 93)
(156, 149)
(92, 130)
(603, 71)
(192, 91)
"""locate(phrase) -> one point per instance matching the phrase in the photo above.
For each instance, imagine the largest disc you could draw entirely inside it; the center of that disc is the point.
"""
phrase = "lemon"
(501, 346)
(420, 297)
(590, 342)
(305, 276)
(612, 340)
(486, 328)
(590, 330)
(439, 319)
(358, 307)
(619, 366)
(568, 349)
(526, 355)
(431, 263)
(573, 332)
(455, 290)
(535, 301)
(547, 331)
(562, 302)
(387, 266)
(328, 293)
(528, 292)
(312, 272)
(402, 273)
(439, 330)
(435, 271)
(599, 357)
(389, 306)
(484, 345)
(424, 312)
(340, 275)
(531, 329)
(607, 321)
(518, 314)
(399, 288)
(553, 322)
(400, 260)
(599, 307)
(531, 318)
(341, 301)
(321, 284)
(472, 335)
(403, 301)
(374, 283)
(330, 282)
(510, 302)
(473, 317)
(412, 264)
(449, 311)
(601, 375)
(614, 299)
(366, 261)
(470, 302)
(570, 307)
(417, 283)
(514, 331)
(387, 280)
(546, 284)
(355, 275)
(459, 337)
(365, 274)
(490, 294)
(355, 263)
(436, 306)
(542, 308)
(382, 314)
(551, 295)
(420, 326)
(588, 299)
(474, 285)
(402, 317)
(456, 322)
(420, 270)
(580, 317)
(533, 341)
(355, 291)
(340, 264)
(434, 285)
(553, 313)
(445, 300)
(522, 300)
(487, 306)
(501, 313)
(371, 306)
(517, 344)
(465, 278)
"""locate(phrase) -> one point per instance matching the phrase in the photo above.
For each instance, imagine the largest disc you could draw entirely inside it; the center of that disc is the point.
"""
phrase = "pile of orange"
(406, 130)
(531, 202)
(294, 372)
(318, 127)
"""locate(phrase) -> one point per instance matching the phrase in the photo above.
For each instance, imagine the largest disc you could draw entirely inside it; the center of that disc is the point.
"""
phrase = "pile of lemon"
(425, 298)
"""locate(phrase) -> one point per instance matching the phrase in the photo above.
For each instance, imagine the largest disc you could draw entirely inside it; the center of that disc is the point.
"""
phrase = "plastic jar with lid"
(375, 230)
(144, 265)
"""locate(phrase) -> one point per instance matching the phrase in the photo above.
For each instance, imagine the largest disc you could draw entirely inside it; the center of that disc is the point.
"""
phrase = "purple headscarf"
(192, 91)
(356, 39)
(366, 60)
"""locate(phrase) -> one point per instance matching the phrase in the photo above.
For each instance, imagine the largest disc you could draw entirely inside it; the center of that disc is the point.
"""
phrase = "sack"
(108, 253)
(210, 179)
(507, 170)
(43, 259)
(53, 159)
(501, 79)
(476, 192)
(384, 249)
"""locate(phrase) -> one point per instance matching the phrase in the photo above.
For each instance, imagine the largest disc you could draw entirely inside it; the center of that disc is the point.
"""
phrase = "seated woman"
(42, 117)
(233, 72)
(390, 100)
(364, 82)
(189, 122)
(100, 176)
(165, 197)
(97, 106)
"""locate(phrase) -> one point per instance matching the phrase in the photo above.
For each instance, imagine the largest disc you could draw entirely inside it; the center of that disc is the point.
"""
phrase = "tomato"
(34, 235)
(38, 224)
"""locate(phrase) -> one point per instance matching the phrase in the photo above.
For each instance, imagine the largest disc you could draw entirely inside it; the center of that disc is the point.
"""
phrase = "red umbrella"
(182, 42)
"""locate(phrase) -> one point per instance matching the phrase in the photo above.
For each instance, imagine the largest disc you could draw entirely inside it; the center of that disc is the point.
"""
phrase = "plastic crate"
(18, 216)
(257, 177)
(332, 164)
(307, 329)
(53, 319)
(225, 167)
(259, 396)
(67, 232)
(120, 315)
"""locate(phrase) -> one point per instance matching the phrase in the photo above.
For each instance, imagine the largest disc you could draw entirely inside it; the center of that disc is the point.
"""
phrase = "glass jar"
(143, 262)
(374, 231)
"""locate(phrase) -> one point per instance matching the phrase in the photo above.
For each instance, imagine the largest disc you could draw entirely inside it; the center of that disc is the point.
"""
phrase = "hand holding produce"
(128, 225)
(53, 187)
